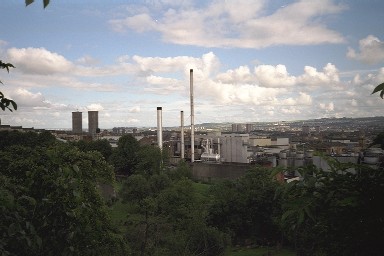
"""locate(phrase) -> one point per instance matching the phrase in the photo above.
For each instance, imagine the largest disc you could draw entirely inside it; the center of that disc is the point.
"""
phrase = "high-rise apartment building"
(93, 122)
(77, 122)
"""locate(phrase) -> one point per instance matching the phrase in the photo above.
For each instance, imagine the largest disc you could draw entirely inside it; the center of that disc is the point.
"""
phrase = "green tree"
(29, 139)
(167, 217)
(336, 212)
(379, 140)
(124, 157)
(50, 202)
(150, 160)
(246, 207)
(6, 103)
(102, 146)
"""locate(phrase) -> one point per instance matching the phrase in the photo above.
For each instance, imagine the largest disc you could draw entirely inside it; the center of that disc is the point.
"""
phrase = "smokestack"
(192, 118)
(159, 128)
(182, 134)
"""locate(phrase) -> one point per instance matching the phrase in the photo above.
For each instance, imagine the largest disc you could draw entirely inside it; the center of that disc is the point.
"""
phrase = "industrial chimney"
(192, 118)
(182, 135)
(159, 128)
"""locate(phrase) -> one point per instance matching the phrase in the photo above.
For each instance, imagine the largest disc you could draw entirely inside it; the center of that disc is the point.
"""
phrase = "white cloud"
(270, 90)
(135, 109)
(88, 60)
(270, 76)
(327, 107)
(328, 77)
(371, 50)
(141, 22)
(95, 107)
(38, 61)
(241, 74)
(241, 24)
(24, 97)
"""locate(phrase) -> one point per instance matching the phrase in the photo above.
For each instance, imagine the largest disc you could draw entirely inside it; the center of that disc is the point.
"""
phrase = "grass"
(201, 188)
(259, 252)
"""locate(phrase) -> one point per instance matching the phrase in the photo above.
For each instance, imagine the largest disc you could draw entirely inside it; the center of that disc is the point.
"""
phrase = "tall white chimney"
(159, 128)
(182, 135)
(192, 118)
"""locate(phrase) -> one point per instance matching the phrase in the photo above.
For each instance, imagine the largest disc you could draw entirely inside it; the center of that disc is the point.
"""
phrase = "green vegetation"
(260, 252)
(50, 201)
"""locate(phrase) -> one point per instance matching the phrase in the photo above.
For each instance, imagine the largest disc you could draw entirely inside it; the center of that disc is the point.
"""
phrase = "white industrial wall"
(234, 148)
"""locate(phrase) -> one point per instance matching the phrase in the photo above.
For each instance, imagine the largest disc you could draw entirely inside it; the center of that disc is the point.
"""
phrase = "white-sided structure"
(159, 128)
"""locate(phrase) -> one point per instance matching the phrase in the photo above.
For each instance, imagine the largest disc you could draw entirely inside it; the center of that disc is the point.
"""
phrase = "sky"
(252, 61)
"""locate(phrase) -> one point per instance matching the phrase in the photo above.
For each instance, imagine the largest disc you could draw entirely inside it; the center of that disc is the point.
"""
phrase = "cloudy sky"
(261, 60)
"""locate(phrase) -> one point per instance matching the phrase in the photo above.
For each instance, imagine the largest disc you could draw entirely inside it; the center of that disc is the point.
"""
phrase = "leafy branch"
(45, 2)
(4, 102)
(378, 88)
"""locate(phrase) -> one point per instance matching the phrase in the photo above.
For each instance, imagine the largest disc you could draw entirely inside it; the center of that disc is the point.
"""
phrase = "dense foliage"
(167, 216)
(124, 157)
(336, 212)
(102, 146)
(246, 208)
(50, 201)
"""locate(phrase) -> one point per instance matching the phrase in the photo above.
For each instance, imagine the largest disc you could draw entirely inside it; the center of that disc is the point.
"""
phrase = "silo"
(77, 122)
(93, 122)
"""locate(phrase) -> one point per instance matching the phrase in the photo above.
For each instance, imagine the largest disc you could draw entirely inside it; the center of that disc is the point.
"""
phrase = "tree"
(379, 139)
(167, 217)
(246, 207)
(150, 160)
(379, 88)
(124, 157)
(336, 212)
(6, 103)
(50, 202)
(102, 146)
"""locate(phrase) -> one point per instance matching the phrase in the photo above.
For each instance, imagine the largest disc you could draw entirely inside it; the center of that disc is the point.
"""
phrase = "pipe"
(159, 128)
(182, 135)
(192, 117)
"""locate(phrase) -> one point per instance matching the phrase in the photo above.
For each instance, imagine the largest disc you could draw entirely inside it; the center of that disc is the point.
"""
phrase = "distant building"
(77, 122)
(305, 129)
(93, 122)
(234, 127)
(248, 128)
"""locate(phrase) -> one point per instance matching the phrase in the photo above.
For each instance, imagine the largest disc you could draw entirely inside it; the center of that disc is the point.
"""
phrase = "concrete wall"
(211, 171)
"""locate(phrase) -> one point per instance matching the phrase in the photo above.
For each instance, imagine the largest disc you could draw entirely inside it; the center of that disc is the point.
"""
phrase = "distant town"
(244, 143)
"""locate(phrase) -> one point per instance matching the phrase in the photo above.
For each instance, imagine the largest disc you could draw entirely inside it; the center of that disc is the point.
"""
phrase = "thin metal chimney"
(159, 128)
(192, 118)
(182, 134)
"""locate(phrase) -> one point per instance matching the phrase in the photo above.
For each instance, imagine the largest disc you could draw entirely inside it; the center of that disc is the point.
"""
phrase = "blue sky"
(275, 60)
